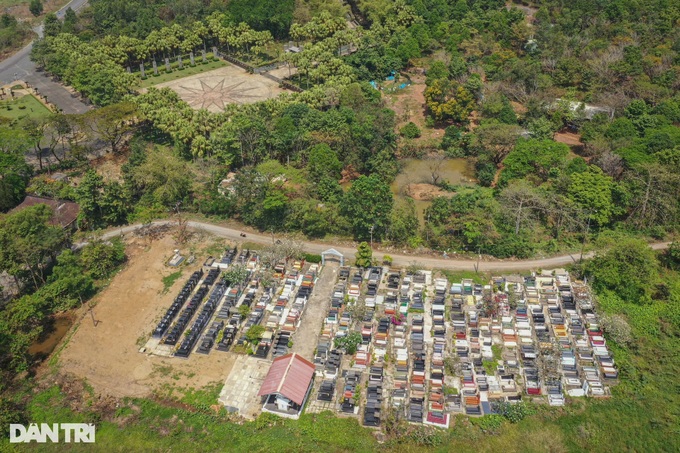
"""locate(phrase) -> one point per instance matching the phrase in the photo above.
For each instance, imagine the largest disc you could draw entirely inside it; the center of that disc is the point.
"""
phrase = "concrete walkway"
(306, 337)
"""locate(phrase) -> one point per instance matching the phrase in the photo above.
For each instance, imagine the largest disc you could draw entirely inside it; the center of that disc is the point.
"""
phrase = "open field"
(107, 355)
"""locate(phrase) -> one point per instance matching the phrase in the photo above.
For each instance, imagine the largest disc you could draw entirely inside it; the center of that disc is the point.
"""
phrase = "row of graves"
(341, 381)
(327, 359)
(561, 340)
(546, 344)
(229, 321)
(284, 312)
(551, 339)
(206, 301)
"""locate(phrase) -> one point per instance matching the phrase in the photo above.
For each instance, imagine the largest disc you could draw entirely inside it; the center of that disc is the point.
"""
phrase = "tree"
(592, 192)
(163, 176)
(349, 342)
(404, 222)
(522, 201)
(364, 255)
(28, 243)
(542, 158)
(14, 176)
(368, 205)
(628, 269)
(449, 100)
(497, 139)
(51, 25)
(656, 190)
(236, 275)
(672, 255)
(541, 128)
(409, 130)
(254, 334)
(112, 123)
(323, 163)
(35, 7)
(101, 258)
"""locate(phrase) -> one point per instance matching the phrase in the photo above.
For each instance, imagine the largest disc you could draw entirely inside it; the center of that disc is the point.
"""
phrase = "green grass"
(25, 106)
(163, 76)
(170, 280)
(481, 278)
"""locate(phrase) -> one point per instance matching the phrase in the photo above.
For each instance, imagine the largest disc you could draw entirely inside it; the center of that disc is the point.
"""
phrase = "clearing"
(215, 89)
(107, 355)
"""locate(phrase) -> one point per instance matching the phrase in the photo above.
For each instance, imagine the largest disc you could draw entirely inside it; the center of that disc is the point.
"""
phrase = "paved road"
(398, 260)
(20, 67)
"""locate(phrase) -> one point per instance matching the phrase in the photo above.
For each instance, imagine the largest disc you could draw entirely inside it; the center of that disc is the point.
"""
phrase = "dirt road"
(398, 259)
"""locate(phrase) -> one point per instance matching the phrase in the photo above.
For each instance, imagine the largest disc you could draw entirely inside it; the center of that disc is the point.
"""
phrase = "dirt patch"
(22, 13)
(425, 192)
(107, 355)
(569, 138)
(409, 106)
(109, 166)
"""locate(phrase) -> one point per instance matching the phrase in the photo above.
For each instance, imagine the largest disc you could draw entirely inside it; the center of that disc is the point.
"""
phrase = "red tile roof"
(290, 376)
(64, 213)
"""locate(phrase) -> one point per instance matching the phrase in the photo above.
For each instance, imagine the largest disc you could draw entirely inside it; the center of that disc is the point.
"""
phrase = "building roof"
(64, 213)
(290, 376)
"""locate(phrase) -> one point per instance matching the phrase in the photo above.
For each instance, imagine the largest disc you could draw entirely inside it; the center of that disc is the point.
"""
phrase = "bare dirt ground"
(569, 138)
(107, 355)
(425, 192)
(409, 105)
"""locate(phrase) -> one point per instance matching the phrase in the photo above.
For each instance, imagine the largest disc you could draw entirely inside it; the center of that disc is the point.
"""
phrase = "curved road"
(399, 260)
(20, 67)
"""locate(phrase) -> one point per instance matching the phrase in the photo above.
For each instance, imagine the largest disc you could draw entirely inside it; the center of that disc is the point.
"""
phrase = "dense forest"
(502, 85)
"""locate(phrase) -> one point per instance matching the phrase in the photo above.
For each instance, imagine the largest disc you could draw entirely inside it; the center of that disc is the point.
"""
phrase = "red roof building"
(287, 385)
(64, 213)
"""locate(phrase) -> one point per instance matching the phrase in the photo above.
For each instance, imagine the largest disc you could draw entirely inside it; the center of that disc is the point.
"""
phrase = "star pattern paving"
(218, 95)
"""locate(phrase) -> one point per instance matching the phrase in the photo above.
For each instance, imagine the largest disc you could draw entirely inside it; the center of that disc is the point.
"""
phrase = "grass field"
(26, 105)
(178, 74)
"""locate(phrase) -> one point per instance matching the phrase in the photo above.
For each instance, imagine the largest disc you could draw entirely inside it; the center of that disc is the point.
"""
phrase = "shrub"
(349, 342)
(515, 413)
(618, 329)
(410, 130)
(312, 258)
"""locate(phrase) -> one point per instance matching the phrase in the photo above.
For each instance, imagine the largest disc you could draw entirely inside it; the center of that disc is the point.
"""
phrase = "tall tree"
(368, 206)
(112, 123)
(28, 242)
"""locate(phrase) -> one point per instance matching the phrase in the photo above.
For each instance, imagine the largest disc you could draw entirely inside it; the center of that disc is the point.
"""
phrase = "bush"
(618, 329)
(410, 130)
(516, 412)
(312, 258)
(349, 342)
